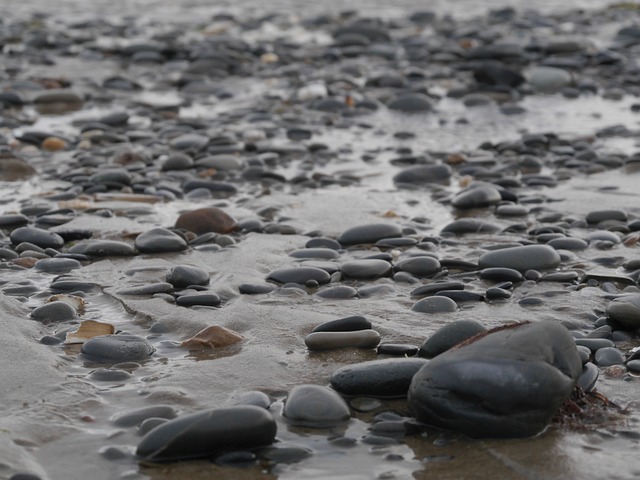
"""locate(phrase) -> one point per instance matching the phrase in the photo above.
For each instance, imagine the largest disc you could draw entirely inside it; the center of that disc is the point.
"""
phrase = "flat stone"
(370, 233)
(420, 266)
(202, 434)
(411, 103)
(103, 248)
(347, 324)
(389, 378)
(470, 225)
(365, 269)
(117, 348)
(300, 275)
(424, 175)
(433, 288)
(133, 418)
(37, 236)
(332, 340)
(338, 292)
(57, 265)
(208, 219)
(527, 257)
(509, 383)
(315, 406)
(607, 356)
(182, 276)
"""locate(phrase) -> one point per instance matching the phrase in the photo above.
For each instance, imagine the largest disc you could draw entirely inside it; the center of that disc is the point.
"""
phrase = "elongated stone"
(527, 257)
(333, 340)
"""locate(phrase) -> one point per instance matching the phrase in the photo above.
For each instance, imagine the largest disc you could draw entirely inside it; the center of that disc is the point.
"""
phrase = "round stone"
(347, 324)
(435, 305)
(315, 406)
(448, 336)
(182, 276)
(202, 434)
(389, 378)
(208, 219)
(117, 348)
(527, 257)
(339, 292)
(54, 312)
(476, 197)
(548, 79)
(160, 240)
(499, 274)
(103, 248)
(421, 266)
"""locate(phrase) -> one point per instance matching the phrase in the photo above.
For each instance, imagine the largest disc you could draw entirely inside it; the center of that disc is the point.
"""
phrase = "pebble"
(339, 292)
(370, 233)
(133, 418)
(470, 225)
(509, 383)
(626, 311)
(594, 344)
(351, 339)
(548, 79)
(57, 265)
(411, 103)
(103, 248)
(448, 336)
(209, 219)
(182, 276)
(160, 240)
(54, 312)
(300, 275)
(433, 288)
(315, 406)
(202, 299)
(389, 378)
(424, 174)
(421, 266)
(346, 324)
(527, 257)
(256, 288)
(435, 305)
(117, 348)
(37, 236)
(607, 356)
(476, 197)
(365, 269)
(588, 377)
(202, 434)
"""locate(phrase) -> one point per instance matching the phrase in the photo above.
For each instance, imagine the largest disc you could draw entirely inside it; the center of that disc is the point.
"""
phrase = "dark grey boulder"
(509, 383)
(389, 378)
(205, 433)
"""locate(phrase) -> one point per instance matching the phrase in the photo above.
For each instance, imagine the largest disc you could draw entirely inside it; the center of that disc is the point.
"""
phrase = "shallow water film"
(296, 241)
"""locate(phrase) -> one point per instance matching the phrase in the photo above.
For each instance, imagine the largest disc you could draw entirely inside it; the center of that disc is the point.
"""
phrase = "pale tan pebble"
(212, 337)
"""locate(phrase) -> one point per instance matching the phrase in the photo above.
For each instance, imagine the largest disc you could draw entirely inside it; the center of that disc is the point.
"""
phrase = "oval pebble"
(423, 174)
(57, 265)
(202, 434)
(527, 257)
(103, 248)
(433, 288)
(347, 324)
(476, 197)
(389, 378)
(117, 348)
(300, 275)
(315, 406)
(201, 299)
(370, 233)
(365, 269)
(332, 340)
(37, 236)
(208, 219)
(499, 274)
(160, 240)
(182, 276)
(607, 356)
(421, 266)
(450, 335)
(54, 312)
(133, 418)
(435, 305)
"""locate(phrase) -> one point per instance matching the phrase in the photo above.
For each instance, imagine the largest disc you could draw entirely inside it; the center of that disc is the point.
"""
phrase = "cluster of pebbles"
(157, 153)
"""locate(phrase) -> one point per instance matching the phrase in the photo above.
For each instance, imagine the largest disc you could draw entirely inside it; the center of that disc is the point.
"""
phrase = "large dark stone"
(388, 378)
(509, 383)
(203, 434)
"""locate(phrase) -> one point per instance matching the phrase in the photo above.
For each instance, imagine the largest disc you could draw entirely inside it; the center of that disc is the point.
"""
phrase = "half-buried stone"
(54, 312)
(509, 383)
(526, 257)
(626, 310)
(365, 269)
(182, 276)
(435, 305)
(319, 341)
(38, 236)
(300, 275)
(103, 248)
(448, 336)
(117, 348)
(424, 174)
(57, 265)
(370, 233)
(160, 240)
(388, 378)
(202, 434)
(339, 292)
(315, 406)
(476, 197)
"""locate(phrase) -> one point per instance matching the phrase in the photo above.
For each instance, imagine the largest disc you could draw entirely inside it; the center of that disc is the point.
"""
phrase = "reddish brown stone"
(209, 219)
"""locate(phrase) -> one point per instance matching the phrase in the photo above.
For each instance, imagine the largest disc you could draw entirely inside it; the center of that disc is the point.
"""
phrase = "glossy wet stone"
(37, 236)
(435, 305)
(476, 197)
(209, 219)
(300, 275)
(499, 274)
(202, 299)
(253, 397)
(117, 348)
(400, 349)
(421, 266)
(433, 288)
(389, 378)
(160, 240)
(182, 276)
(256, 288)
(370, 233)
(470, 225)
(588, 377)
(338, 292)
(315, 406)
(54, 312)
(450, 335)
(133, 418)
(626, 310)
(202, 434)
(607, 356)
(57, 265)
(346, 324)
(527, 257)
(509, 383)
(351, 339)
(103, 248)
(365, 269)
